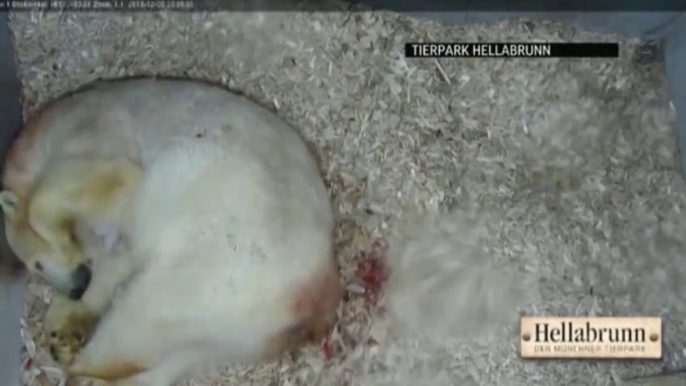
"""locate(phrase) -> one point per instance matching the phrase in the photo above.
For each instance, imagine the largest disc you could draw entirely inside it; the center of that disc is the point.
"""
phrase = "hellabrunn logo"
(590, 337)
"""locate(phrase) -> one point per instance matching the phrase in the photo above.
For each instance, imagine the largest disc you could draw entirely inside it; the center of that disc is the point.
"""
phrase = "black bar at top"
(496, 6)
(511, 50)
(585, 50)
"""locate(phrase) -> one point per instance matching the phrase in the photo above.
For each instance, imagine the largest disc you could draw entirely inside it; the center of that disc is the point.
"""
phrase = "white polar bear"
(227, 223)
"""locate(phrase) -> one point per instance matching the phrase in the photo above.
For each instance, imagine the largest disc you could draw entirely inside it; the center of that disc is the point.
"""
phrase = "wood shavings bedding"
(570, 163)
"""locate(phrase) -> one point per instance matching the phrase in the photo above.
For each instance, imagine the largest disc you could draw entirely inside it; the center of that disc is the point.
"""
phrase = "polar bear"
(228, 227)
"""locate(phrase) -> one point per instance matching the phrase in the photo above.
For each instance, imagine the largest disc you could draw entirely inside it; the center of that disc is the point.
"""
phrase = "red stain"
(326, 349)
(372, 270)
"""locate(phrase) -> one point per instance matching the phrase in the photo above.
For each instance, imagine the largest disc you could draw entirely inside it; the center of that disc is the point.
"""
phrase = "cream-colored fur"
(228, 227)
(42, 225)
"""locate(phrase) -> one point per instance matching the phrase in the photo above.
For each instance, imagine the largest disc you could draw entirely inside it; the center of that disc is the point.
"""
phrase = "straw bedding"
(486, 188)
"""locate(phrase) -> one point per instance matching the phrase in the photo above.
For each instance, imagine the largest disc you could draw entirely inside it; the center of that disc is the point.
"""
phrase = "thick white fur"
(230, 218)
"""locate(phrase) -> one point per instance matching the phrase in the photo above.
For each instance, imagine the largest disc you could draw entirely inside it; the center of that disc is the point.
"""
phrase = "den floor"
(569, 165)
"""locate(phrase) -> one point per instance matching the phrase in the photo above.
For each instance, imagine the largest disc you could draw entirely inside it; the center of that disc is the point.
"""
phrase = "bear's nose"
(80, 278)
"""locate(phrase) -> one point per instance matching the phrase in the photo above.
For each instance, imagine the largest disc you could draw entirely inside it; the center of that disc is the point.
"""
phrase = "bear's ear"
(8, 202)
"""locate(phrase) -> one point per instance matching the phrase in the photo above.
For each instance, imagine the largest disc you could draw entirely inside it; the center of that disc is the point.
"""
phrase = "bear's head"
(60, 263)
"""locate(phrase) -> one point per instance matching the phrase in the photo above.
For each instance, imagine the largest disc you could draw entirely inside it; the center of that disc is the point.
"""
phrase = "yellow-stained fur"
(228, 229)
(77, 189)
